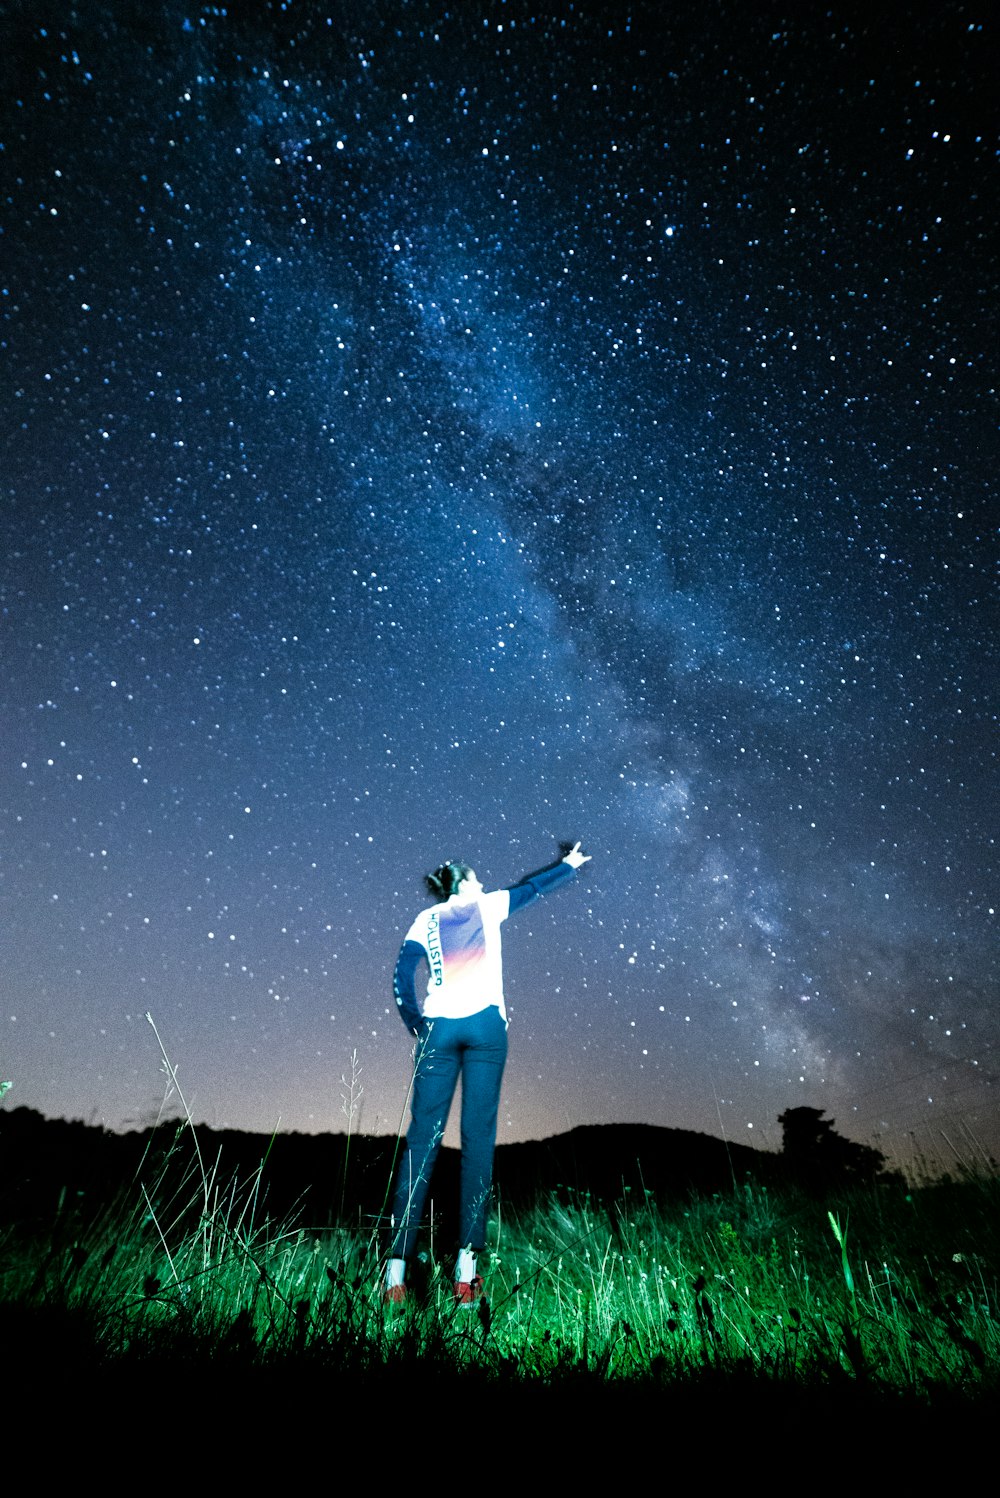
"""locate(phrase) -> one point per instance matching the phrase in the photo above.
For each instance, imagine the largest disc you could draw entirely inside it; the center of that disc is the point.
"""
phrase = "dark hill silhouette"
(51, 1167)
(609, 1160)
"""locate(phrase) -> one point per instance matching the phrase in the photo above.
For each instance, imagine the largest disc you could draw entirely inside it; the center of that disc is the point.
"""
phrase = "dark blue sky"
(437, 433)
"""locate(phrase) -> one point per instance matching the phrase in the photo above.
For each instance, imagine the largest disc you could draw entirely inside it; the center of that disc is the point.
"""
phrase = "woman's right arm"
(534, 885)
(404, 985)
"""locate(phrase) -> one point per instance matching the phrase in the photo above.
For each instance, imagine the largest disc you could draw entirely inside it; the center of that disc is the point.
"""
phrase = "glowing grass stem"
(840, 1233)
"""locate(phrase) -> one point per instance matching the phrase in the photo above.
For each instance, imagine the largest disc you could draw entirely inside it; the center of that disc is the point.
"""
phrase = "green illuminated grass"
(888, 1288)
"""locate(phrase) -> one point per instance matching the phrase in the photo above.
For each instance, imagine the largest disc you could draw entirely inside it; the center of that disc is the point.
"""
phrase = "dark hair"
(444, 882)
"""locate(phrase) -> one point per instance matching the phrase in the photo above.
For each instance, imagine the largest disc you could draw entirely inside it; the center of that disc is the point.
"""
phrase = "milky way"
(442, 433)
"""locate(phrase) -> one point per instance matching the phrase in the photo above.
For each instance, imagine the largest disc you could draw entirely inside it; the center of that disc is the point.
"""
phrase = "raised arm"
(533, 886)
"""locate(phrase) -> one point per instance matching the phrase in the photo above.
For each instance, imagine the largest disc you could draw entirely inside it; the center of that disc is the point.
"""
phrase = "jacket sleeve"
(532, 886)
(404, 985)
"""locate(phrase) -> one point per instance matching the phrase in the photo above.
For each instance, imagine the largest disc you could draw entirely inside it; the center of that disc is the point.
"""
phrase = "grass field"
(886, 1293)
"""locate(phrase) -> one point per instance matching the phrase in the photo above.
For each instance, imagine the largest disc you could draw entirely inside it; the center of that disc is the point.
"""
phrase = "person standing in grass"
(461, 1030)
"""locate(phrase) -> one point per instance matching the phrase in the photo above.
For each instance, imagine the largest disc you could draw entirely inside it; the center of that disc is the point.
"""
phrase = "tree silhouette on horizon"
(816, 1155)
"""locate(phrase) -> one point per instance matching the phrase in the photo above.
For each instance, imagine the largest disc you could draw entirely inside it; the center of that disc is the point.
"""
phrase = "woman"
(461, 1028)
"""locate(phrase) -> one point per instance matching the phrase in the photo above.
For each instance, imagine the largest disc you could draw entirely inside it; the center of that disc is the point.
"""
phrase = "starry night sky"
(442, 431)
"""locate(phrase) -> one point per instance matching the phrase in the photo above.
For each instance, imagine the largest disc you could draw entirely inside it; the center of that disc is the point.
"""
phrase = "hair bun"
(444, 881)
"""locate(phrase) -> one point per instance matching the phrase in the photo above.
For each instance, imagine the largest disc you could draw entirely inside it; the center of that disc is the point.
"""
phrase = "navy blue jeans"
(475, 1049)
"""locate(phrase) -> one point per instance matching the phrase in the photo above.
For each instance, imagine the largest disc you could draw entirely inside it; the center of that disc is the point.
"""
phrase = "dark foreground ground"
(262, 1424)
